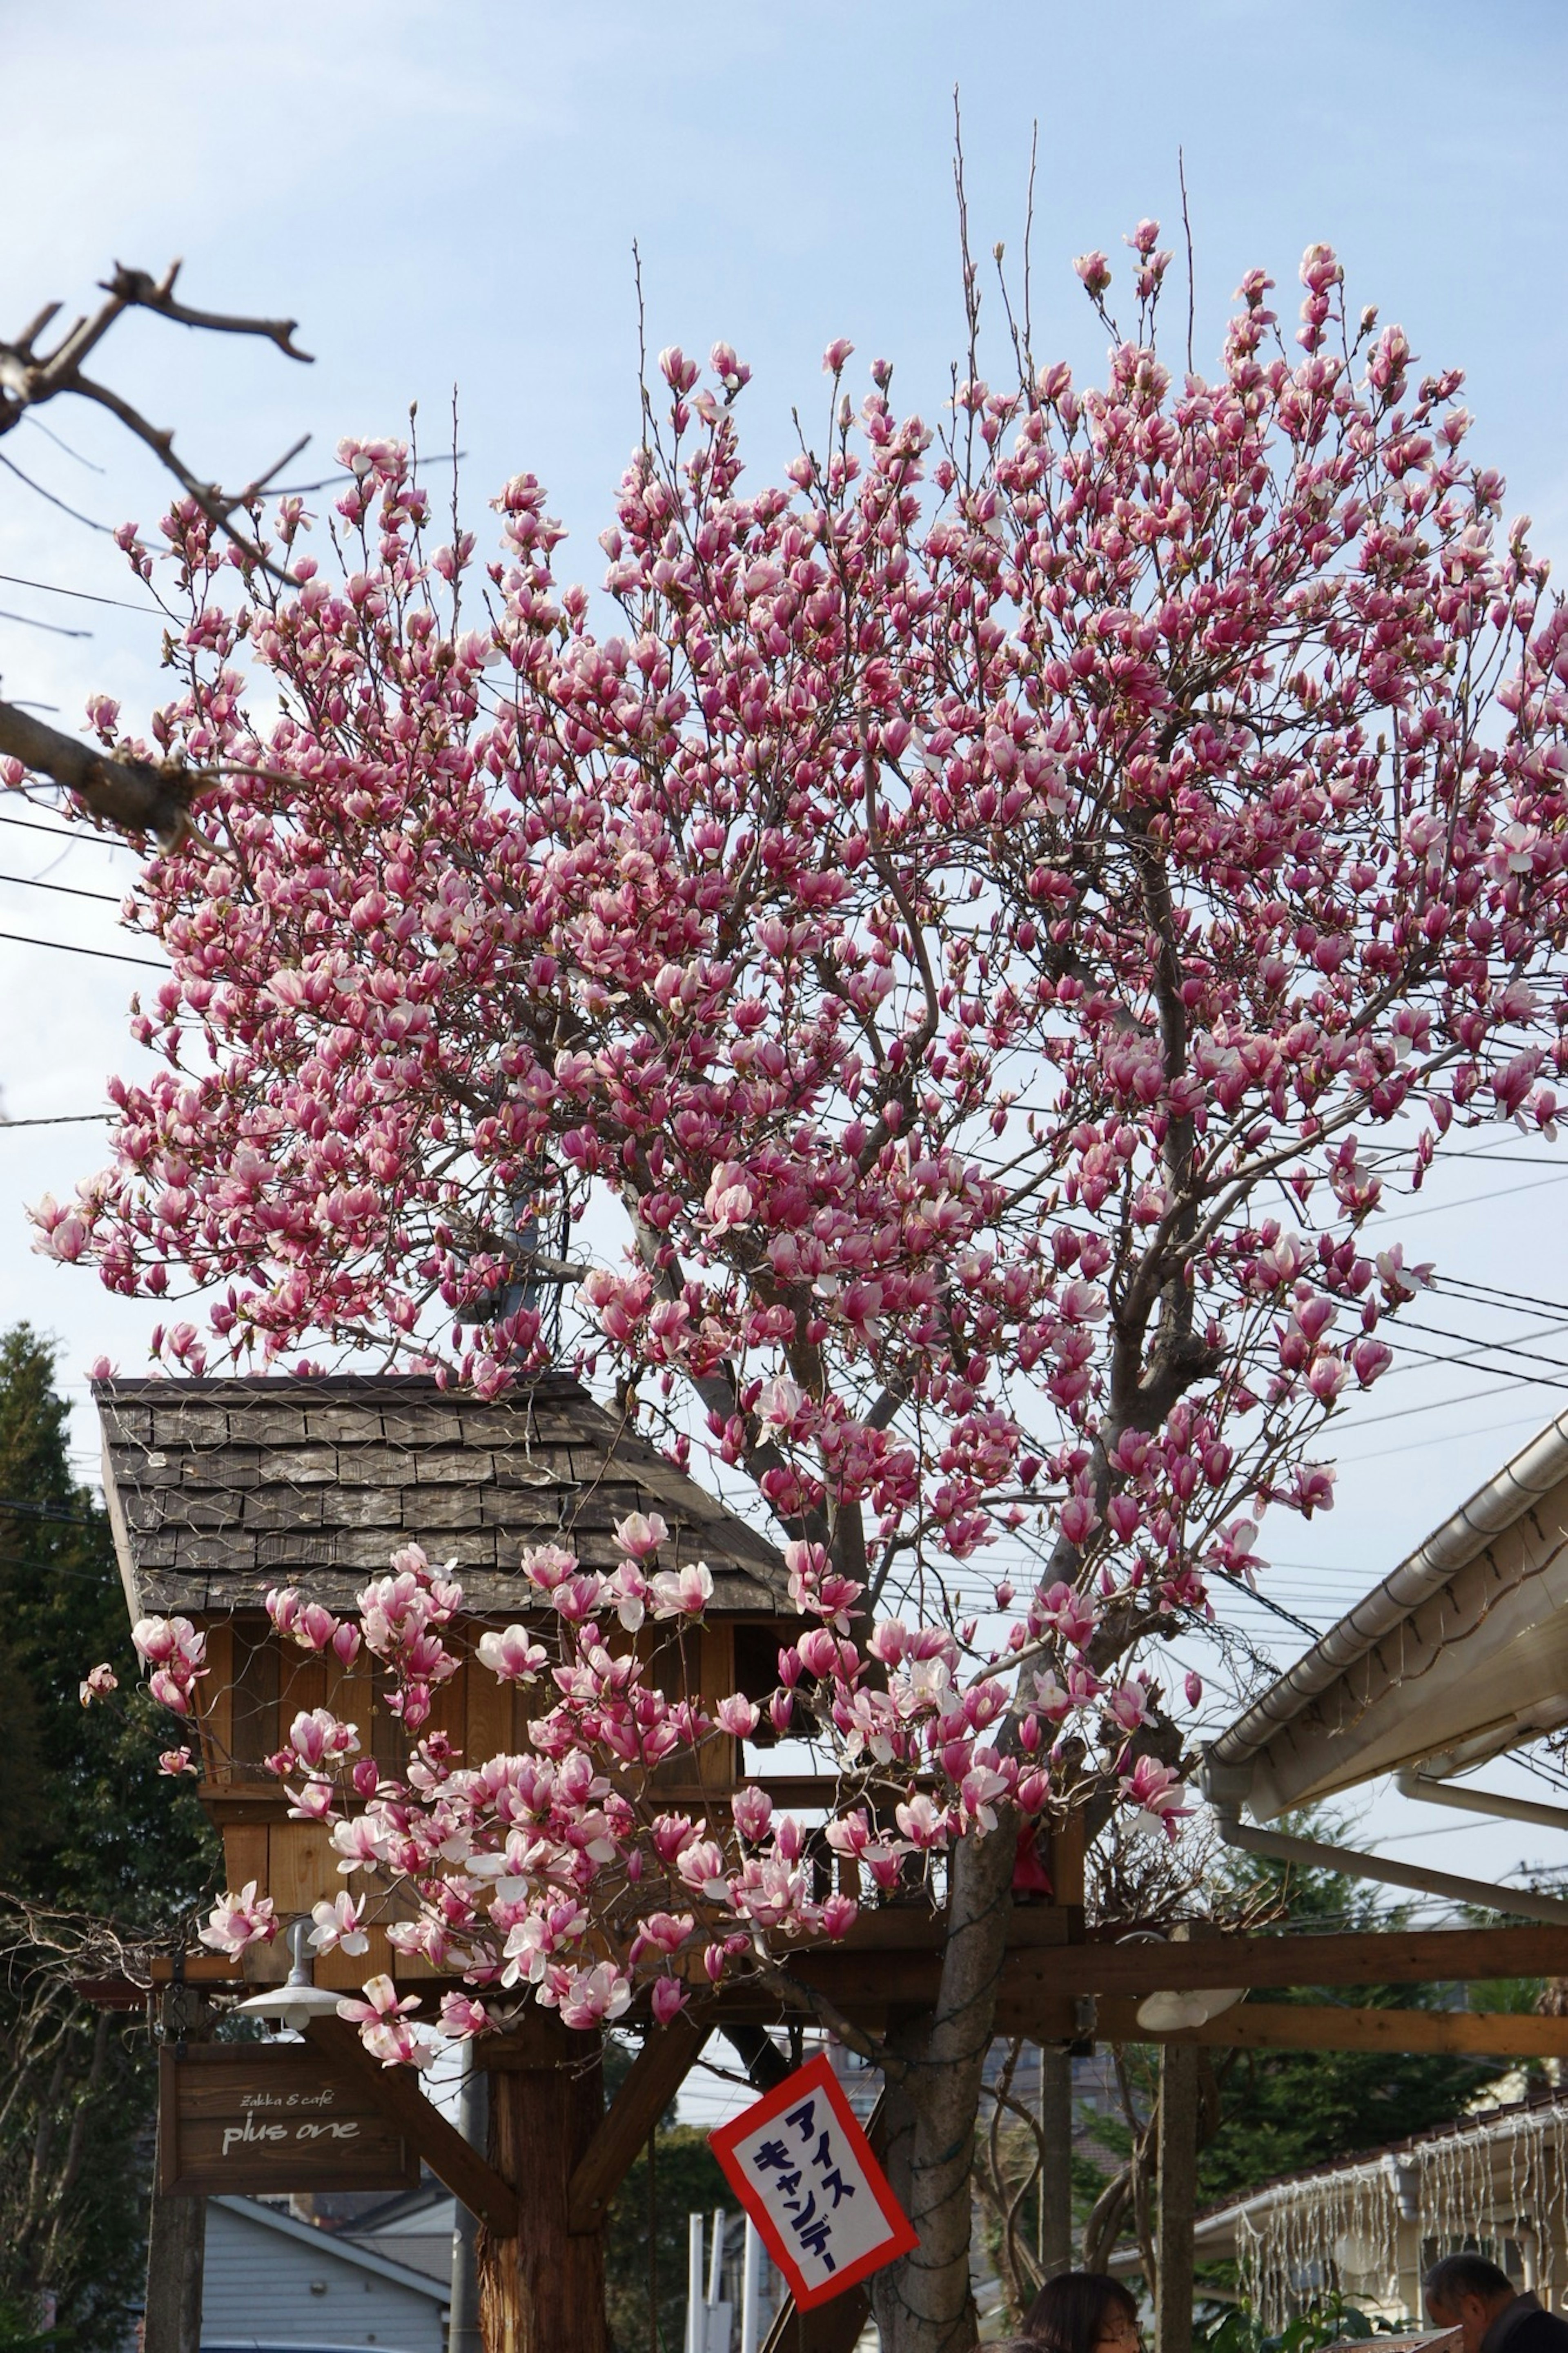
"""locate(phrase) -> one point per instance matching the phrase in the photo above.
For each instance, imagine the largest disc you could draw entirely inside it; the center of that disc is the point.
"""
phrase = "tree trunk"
(1176, 2195)
(543, 2292)
(1054, 2244)
(925, 2304)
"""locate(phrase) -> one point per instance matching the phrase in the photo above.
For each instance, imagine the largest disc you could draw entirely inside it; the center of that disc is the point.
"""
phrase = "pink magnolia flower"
(463, 2017)
(338, 1925)
(640, 1536)
(381, 2019)
(591, 1998)
(513, 1655)
(97, 1684)
(237, 1922)
(668, 1999)
(173, 1761)
(684, 1593)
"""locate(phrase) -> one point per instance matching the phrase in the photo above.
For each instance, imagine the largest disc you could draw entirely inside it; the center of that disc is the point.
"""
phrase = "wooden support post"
(177, 2226)
(176, 2244)
(1054, 2243)
(396, 2092)
(1176, 2195)
(543, 2291)
(654, 2078)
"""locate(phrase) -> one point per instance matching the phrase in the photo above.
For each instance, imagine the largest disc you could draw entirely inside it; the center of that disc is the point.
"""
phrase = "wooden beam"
(396, 2092)
(1307, 2026)
(655, 2077)
(1374, 1957)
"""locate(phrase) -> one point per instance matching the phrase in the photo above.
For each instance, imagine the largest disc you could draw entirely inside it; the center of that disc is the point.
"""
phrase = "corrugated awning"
(1463, 1648)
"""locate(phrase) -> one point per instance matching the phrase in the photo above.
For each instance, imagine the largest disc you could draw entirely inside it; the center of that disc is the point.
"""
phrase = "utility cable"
(66, 947)
(71, 890)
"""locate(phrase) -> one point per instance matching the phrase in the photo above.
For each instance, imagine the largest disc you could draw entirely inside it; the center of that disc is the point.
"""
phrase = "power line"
(1469, 1340)
(1444, 1438)
(29, 621)
(71, 890)
(1469, 1200)
(56, 833)
(30, 416)
(65, 947)
(57, 1118)
(75, 513)
(52, 588)
(1523, 1298)
(48, 1511)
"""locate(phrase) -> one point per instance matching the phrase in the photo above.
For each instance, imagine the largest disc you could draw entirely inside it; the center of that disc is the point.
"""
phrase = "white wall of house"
(269, 2280)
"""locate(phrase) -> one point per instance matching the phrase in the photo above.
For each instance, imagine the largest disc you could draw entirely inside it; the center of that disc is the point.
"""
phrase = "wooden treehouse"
(219, 1490)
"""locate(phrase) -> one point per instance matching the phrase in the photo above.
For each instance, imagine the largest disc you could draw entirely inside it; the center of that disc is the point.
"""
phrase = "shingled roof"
(218, 1489)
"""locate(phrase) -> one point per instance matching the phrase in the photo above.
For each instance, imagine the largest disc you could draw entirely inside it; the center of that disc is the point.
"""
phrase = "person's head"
(1084, 2311)
(1466, 2292)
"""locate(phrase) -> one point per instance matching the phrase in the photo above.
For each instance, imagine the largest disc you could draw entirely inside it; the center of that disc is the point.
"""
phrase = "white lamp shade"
(292, 2005)
(1168, 2013)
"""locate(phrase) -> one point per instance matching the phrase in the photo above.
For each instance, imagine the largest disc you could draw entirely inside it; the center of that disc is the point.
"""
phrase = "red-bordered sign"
(803, 2169)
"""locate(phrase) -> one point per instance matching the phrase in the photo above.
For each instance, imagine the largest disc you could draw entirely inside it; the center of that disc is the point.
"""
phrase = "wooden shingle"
(218, 1489)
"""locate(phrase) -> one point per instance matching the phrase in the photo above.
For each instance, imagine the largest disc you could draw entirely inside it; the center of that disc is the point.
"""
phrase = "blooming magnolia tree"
(974, 916)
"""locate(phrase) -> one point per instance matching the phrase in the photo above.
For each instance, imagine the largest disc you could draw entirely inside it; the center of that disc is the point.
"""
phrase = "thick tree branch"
(132, 795)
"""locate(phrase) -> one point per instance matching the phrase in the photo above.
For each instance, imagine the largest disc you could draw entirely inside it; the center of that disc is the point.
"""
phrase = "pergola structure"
(219, 1489)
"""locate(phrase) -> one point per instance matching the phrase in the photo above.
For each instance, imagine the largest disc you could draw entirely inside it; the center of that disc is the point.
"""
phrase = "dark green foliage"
(1232, 2329)
(87, 1826)
(686, 2180)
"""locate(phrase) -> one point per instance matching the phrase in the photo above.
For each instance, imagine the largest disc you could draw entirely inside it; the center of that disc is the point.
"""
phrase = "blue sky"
(448, 194)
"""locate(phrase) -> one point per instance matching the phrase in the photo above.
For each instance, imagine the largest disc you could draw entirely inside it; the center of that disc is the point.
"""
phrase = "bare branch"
(26, 382)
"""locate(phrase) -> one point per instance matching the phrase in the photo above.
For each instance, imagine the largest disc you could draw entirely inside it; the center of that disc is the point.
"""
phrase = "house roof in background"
(219, 1489)
(1460, 1653)
(324, 2243)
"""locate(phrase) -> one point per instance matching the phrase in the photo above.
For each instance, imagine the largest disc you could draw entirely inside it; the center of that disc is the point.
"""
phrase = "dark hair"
(1458, 2275)
(1071, 2310)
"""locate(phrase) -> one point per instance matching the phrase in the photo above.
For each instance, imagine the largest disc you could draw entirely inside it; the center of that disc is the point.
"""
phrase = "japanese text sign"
(803, 2169)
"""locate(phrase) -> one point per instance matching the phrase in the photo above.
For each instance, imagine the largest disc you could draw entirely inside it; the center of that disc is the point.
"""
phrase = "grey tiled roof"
(218, 1489)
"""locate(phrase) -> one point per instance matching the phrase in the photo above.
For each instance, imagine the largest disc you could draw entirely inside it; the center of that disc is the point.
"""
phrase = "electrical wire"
(1524, 1298)
(1468, 1340)
(66, 947)
(29, 621)
(57, 1118)
(59, 833)
(52, 588)
(75, 513)
(1470, 1201)
(71, 890)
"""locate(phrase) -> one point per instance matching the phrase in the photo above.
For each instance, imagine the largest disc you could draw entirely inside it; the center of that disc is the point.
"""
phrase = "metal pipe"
(751, 2290)
(463, 2320)
(696, 2315)
(1413, 1783)
(1283, 1848)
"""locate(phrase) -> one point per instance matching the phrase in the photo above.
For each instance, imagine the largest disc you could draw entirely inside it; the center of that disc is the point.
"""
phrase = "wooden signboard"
(264, 2118)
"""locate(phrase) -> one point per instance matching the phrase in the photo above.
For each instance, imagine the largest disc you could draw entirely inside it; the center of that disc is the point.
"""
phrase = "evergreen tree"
(87, 1827)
